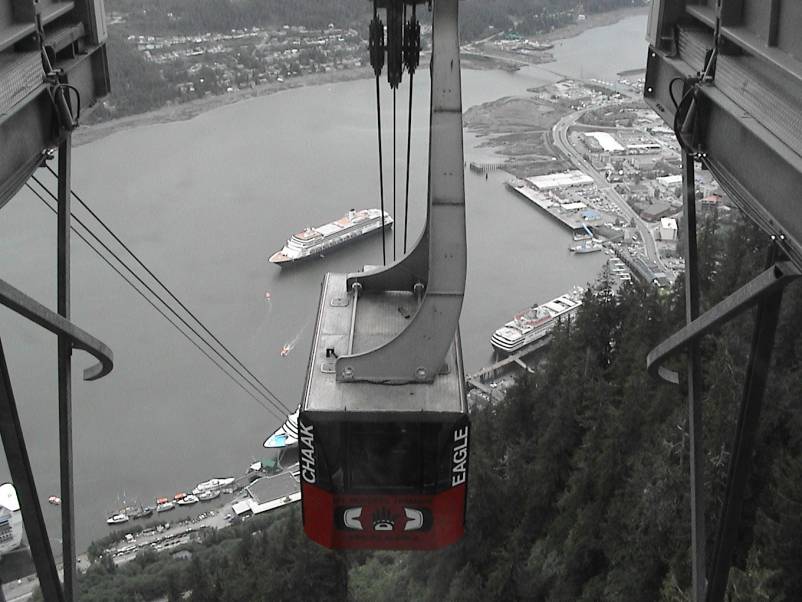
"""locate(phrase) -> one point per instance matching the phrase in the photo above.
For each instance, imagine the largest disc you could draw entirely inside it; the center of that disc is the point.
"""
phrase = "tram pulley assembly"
(402, 47)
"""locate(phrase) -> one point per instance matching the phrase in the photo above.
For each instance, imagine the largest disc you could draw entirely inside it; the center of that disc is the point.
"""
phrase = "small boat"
(141, 512)
(179, 496)
(55, 500)
(209, 494)
(215, 483)
(116, 519)
(268, 296)
(285, 351)
(188, 500)
(163, 504)
(589, 246)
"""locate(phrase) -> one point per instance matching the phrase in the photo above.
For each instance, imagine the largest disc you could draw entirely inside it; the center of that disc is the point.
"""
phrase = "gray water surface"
(204, 203)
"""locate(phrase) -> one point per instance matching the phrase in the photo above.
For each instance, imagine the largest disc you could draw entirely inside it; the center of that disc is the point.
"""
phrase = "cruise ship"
(536, 322)
(313, 242)
(286, 434)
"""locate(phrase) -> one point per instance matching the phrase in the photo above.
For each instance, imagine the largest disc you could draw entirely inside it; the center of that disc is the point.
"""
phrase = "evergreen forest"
(158, 17)
(139, 85)
(579, 479)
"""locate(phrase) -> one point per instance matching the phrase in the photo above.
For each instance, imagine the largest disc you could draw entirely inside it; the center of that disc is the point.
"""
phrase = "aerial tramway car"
(383, 428)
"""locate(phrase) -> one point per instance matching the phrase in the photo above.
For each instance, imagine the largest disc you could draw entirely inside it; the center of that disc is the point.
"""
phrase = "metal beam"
(19, 466)
(28, 119)
(752, 104)
(777, 276)
(695, 417)
(36, 312)
(65, 368)
(768, 313)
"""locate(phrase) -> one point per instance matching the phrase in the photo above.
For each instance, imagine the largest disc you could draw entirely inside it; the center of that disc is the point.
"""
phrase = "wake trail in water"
(288, 347)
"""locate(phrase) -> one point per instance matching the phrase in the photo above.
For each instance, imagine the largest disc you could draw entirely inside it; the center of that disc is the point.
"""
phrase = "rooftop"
(379, 317)
(268, 489)
(606, 141)
(560, 180)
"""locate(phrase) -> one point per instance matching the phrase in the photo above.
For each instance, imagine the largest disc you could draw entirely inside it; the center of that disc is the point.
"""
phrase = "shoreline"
(591, 21)
(185, 111)
(188, 110)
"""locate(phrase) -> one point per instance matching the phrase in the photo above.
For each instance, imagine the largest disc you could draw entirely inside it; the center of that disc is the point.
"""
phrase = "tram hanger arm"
(417, 353)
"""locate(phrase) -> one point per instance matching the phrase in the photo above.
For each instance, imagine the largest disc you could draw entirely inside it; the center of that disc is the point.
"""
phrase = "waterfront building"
(562, 179)
(606, 141)
(668, 228)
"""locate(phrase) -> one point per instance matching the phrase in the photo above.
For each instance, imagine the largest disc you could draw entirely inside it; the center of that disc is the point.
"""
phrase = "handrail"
(28, 307)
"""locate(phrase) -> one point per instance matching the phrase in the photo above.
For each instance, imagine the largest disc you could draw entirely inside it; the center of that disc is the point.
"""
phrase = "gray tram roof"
(379, 317)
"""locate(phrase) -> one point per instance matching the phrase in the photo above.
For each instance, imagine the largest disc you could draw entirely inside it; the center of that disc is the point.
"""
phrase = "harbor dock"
(478, 379)
(571, 214)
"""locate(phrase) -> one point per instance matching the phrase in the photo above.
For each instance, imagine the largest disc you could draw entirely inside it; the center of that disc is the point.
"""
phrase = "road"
(560, 135)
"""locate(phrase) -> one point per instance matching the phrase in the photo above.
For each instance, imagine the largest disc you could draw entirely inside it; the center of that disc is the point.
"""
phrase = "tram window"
(329, 444)
(435, 445)
(384, 456)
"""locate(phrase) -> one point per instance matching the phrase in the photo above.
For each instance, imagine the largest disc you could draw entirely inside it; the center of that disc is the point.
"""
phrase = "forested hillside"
(578, 479)
(138, 84)
(198, 16)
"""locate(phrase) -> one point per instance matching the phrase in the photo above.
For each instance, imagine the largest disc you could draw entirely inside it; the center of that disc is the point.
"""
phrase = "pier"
(574, 220)
(477, 379)
(485, 166)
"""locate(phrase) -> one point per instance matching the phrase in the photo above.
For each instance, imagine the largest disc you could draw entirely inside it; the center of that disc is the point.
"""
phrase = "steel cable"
(166, 289)
(395, 215)
(156, 307)
(275, 402)
(409, 141)
(379, 128)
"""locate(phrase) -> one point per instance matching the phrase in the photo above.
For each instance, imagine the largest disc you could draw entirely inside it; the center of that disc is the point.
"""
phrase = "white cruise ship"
(286, 434)
(313, 242)
(536, 322)
(10, 519)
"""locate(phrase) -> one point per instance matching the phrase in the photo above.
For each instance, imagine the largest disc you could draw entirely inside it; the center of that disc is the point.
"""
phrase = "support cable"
(411, 51)
(156, 307)
(275, 403)
(376, 47)
(409, 141)
(167, 290)
(381, 163)
(395, 214)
